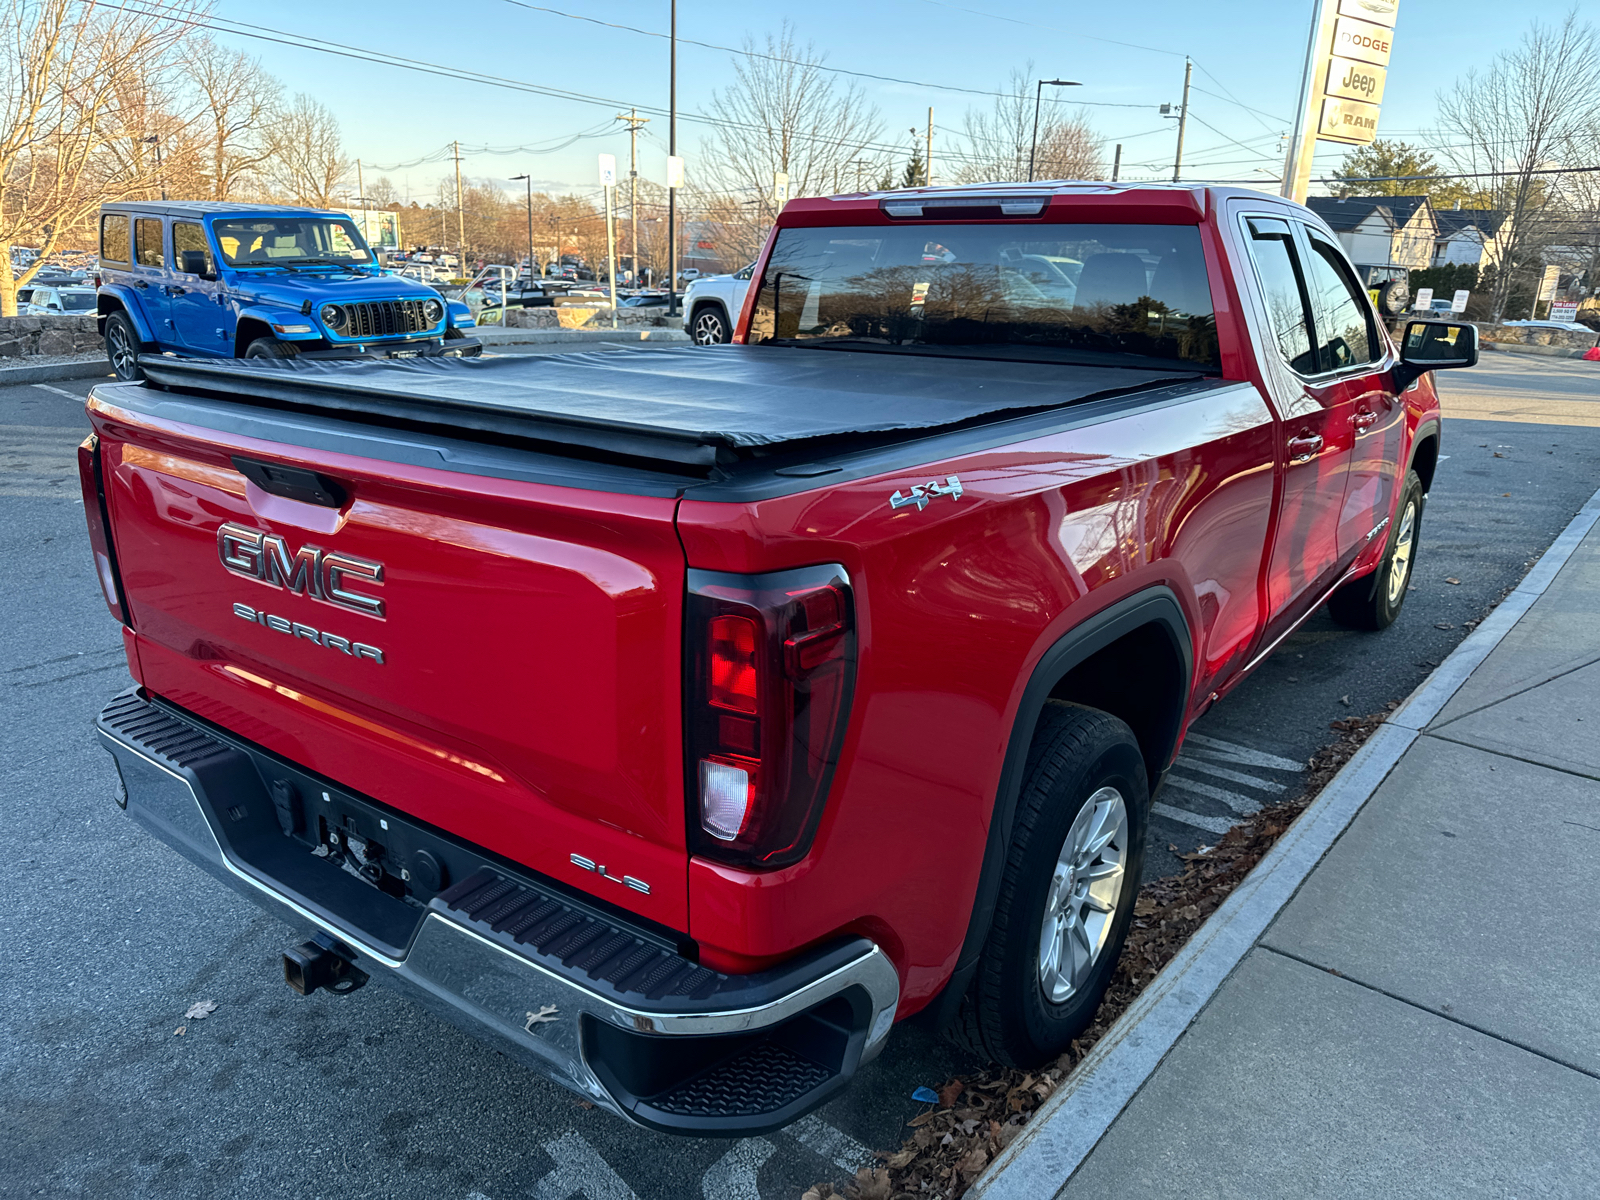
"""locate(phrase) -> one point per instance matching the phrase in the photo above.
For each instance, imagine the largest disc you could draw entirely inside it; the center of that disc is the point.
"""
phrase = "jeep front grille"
(384, 318)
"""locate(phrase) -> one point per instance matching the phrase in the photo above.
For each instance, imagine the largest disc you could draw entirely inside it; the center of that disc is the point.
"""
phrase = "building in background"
(1385, 236)
(1473, 237)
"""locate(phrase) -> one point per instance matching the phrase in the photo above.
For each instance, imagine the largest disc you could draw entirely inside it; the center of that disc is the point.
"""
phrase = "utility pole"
(1183, 119)
(858, 163)
(461, 220)
(1116, 164)
(1038, 92)
(927, 163)
(672, 153)
(361, 188)
(634, 120)
(155, 140)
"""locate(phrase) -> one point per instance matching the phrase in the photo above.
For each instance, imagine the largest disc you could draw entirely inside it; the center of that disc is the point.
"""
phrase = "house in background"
(1474, 237)
(1385, 236)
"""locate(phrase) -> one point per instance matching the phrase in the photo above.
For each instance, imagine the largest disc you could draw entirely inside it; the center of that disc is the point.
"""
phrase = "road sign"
(1424, 300)
(1348, 121)
(1362, 41)
(674, 171)
(1458, 302)
(608, 170)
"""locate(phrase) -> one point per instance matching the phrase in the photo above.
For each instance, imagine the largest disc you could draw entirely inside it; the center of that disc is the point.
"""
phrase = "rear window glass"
(1091, 293)
(114, 238)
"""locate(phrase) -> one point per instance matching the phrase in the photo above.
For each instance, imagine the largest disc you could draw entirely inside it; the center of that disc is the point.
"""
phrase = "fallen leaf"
(1497, 454)
(872, 1183)
(1505, 493)
(179, 1031)
(1452, 579)
(898, 1162)
(975, 1161)
(950, 1093)
(1443, 625)
(200, 1010)
(546, 1013)
(921, 1119)
(1345, 700)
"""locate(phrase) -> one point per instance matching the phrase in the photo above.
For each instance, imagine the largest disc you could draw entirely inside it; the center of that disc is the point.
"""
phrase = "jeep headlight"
(432, 310)
(332, 316)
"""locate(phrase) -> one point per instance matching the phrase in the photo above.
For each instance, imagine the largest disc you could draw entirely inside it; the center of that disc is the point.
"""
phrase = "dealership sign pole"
(1347, 64)
(608, 184)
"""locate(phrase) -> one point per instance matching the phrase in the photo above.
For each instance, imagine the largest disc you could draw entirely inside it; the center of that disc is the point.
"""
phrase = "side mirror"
(196, 262)
(1432, 346)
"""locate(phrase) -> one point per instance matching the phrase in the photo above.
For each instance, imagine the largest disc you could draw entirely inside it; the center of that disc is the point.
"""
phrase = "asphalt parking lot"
(110, 937)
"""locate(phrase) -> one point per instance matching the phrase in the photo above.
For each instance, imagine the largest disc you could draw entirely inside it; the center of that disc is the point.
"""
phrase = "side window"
(114, 238)
(1344, 319)
(147, 242)
(1283, 285)
(190, 249)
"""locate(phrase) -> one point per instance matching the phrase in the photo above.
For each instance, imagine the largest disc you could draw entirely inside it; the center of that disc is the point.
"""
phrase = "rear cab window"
(115, 244)
(1134, 295)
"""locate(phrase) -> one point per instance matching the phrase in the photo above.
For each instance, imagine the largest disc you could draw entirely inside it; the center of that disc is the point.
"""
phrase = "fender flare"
(459, 315)
(1157, 605)
(124, 300)
(1433, 428)
(266, 314)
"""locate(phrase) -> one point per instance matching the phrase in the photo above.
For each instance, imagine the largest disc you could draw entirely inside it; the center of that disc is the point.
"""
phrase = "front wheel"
(1066, 898)
(710, 326)
(1373, 602)
(122, 348)
(271, 347)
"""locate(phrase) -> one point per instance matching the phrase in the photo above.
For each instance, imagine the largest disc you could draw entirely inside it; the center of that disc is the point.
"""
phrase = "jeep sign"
(1349, 80)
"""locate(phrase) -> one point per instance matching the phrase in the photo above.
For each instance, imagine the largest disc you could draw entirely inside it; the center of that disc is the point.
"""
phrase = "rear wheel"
(709, 326)
(1066, 899)
(122, 347)
(1374, 601)
(270, 347)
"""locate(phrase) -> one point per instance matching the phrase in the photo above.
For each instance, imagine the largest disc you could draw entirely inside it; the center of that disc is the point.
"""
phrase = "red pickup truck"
(680, 720)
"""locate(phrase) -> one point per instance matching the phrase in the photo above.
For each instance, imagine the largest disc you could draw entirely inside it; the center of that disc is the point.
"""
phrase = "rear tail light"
(771, 663)
(94, 510)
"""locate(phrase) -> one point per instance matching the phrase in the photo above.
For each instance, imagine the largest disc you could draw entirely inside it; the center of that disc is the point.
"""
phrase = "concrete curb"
(1521, 348)
(48, 372)
(1054, 1144)
(577, 337)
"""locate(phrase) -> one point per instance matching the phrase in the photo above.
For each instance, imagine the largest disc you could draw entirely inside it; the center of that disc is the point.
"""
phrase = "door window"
(1344, 318)
(189, 239)
(114, 238)
(147, 242)
(1283, 285)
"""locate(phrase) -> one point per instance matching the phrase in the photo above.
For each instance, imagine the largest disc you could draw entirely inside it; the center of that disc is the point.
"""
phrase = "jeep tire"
(1067, 893)
(271, 347)
(709, 326)
(1374, 601)
(122, 347)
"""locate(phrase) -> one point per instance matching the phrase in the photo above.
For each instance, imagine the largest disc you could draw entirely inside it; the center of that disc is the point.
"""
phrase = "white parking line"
(833, 1144)
(1232, 752)
(1196, 764)
(45, 387)
(1243, 805)
(1209, 824)
(733, 1176)
(579, 1171)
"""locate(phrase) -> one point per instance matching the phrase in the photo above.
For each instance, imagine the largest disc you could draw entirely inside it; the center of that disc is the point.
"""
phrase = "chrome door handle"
(1304, 448)
(1364, 420)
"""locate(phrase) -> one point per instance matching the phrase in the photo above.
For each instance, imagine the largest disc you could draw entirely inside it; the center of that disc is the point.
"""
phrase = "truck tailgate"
(519, 688)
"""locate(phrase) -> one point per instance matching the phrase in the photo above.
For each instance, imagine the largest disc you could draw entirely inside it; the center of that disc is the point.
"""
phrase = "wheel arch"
(1098, 664)
(247, 331)
(1425, 453)
(115, 301)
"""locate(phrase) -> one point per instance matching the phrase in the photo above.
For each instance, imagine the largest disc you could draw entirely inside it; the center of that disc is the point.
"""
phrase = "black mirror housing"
(1435, 345)
(196, 262)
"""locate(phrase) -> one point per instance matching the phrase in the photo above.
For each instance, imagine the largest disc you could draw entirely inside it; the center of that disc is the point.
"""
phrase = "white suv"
(711, 305)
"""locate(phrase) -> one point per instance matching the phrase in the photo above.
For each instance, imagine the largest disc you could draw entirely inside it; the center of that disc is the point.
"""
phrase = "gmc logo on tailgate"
(310, 571)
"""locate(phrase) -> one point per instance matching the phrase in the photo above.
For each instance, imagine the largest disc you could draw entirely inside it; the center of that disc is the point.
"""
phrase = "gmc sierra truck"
(681, 720)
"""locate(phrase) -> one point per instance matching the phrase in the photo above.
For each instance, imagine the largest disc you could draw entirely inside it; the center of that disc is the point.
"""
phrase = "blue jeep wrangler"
(219, 280)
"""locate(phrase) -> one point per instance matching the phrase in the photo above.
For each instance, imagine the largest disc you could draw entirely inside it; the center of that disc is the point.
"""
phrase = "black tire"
(452, 334)
(271, 347)
(708, 326)
(122, 347)
(1374, 601)
(1077, 754)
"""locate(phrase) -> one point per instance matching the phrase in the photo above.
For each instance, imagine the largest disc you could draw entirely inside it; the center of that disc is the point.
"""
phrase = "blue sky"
(1248, 56)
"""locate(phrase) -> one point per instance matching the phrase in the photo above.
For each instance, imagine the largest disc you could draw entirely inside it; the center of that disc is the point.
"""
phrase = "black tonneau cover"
(686, 405)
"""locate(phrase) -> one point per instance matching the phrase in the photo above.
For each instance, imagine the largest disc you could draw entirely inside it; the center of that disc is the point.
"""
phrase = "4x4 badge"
(923, 492)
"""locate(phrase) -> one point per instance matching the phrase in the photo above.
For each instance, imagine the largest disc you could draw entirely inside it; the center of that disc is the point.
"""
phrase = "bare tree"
(305, 162)
(239, 99)
(382, 192)
(999, 139)
(65, 67)
(785, 116)
(1534, 104)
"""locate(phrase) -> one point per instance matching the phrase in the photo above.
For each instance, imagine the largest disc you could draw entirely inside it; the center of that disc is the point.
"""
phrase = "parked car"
(712, 304)
(57, 301)
(219, 280)
(680, 721)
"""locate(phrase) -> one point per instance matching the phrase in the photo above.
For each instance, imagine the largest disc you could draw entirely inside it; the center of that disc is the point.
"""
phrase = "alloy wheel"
(708, 329)
(1400, 560)
(123, 355)
(1081, 906)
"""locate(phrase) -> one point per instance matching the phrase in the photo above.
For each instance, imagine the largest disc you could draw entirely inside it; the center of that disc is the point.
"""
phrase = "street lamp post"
(529, 178)
(1038, 94)
(155, 140)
